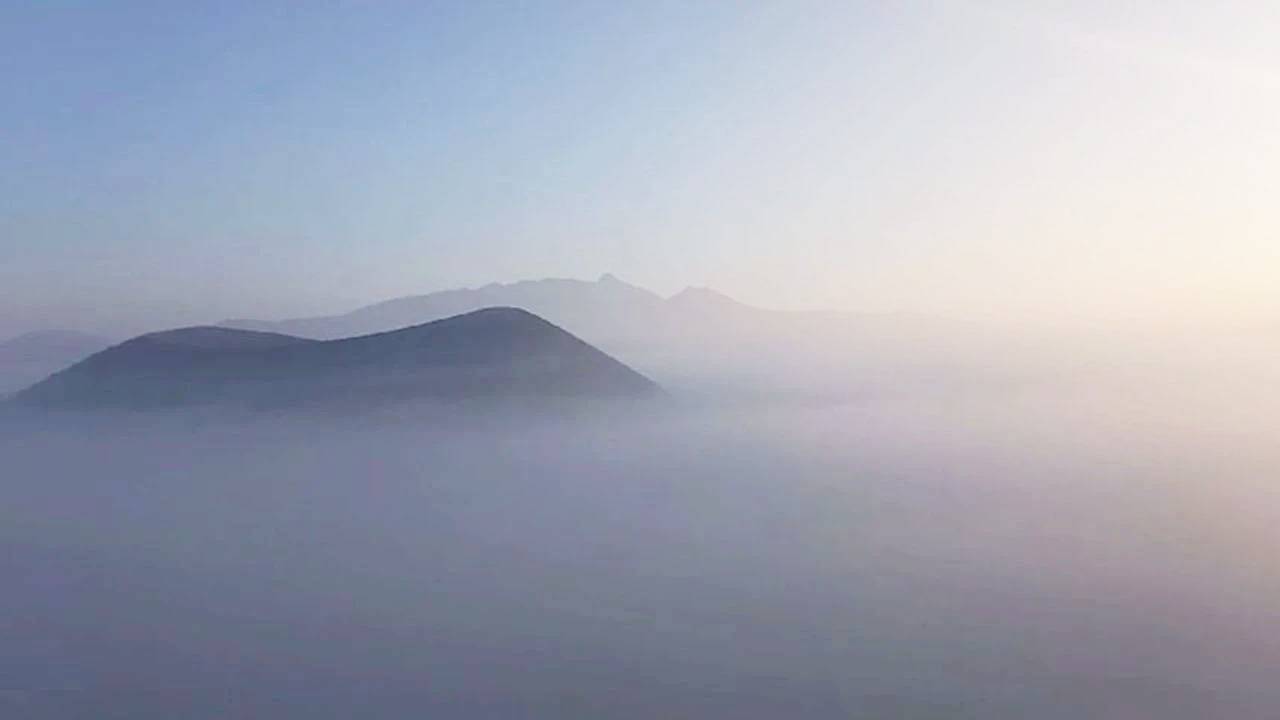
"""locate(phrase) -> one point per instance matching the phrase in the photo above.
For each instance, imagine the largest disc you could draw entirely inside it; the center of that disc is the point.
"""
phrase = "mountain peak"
(694, 294)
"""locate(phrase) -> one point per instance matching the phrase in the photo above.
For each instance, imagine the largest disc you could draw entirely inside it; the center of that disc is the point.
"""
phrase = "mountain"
(493, 353)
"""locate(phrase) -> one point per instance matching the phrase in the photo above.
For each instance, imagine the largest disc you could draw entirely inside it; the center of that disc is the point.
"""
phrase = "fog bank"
(1068, 553)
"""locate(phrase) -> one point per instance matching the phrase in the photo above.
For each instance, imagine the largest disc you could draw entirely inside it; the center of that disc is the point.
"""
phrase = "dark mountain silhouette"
(494, 353)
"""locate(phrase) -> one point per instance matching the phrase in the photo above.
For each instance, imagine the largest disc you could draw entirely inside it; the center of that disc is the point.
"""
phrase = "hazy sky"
(164, 165)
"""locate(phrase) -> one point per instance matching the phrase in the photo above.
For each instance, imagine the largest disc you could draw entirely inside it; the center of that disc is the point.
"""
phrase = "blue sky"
(167, 163)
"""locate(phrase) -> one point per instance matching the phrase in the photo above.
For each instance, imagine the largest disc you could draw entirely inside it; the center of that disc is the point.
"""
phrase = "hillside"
(493, 353)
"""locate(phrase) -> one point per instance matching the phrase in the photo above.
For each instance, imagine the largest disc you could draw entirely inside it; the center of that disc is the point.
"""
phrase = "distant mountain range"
(492, 353)
(606, 311)
(698, 338)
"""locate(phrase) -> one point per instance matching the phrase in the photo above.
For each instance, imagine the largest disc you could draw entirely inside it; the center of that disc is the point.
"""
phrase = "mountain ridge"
(572, 303)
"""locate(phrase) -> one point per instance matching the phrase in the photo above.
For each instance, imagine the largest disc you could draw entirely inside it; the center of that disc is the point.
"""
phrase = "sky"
(166, 163)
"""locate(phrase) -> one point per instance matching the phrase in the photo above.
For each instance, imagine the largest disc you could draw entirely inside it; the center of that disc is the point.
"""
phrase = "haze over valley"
(219, 521)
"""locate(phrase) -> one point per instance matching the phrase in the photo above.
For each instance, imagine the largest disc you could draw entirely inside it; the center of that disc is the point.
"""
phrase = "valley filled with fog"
(1092, 539)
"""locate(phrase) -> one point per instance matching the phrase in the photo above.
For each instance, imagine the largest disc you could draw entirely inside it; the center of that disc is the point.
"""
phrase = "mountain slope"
(492, 353)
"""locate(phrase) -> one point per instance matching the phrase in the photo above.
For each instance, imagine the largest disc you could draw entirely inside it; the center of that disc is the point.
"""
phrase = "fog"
(1097, 544)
